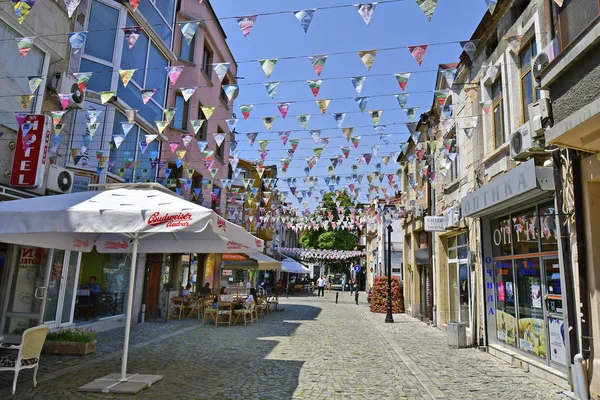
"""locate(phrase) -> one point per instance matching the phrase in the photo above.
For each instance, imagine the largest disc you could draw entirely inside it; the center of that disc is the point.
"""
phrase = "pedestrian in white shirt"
(321, 282)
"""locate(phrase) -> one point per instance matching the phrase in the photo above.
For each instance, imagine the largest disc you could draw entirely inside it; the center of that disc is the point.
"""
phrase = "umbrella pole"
(134, 254)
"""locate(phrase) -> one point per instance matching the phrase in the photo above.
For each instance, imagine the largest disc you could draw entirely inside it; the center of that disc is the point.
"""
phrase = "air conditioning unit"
(68, 84)
(452, 218)
(523, 145)
(540, 115)
(60, 180)
(543, 59)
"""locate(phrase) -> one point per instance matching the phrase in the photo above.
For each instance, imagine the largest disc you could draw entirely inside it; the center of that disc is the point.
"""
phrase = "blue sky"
(394, 24)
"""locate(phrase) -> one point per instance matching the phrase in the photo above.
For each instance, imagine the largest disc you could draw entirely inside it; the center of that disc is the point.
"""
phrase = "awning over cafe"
(266, 263)
(292, 266)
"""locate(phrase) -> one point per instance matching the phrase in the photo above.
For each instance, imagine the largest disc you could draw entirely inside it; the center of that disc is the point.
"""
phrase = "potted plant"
(74, 342)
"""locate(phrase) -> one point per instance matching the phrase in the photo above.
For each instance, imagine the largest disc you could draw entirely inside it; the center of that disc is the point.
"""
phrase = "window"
(221, 149)
(186, 51)
(458, 269)
(129, 159)
(207, 60)
(12, 65)
(181, 116)
(529, 94)
(498, 114)
(151, 74)
(99, 46)
(573, 18)
(223, 95)
(160, 15)
(203, 132)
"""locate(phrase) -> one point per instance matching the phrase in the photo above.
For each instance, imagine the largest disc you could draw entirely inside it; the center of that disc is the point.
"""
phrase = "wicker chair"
(28, 355)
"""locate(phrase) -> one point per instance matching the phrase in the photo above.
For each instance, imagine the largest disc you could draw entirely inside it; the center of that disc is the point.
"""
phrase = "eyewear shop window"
(102, 286)
(527, 282)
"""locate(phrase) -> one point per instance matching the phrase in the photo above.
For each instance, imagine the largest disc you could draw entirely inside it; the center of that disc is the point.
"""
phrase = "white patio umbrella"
(125, 218)
(292, 266)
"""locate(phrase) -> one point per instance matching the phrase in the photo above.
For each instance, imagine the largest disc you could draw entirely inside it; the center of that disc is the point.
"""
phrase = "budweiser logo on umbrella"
(172, 221)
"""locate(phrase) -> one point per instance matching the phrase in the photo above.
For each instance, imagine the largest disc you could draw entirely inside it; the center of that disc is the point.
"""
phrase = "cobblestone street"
(314, 349)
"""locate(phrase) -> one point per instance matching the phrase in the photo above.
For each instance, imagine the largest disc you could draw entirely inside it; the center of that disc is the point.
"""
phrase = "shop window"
(498, 114)
(501, 237)
(529, 93)
(532, 332)
(102, 287)
(525, 231)
(573, 18)
(505, 302)
(459, 279)
(548, 231)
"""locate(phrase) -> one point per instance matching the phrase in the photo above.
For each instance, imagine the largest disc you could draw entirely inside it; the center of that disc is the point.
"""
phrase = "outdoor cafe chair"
(245, 312)
(210, 312)
(224, 314)
(260, 308)
(194, 305)
(175, 307)
(28, 355)
(273, 303)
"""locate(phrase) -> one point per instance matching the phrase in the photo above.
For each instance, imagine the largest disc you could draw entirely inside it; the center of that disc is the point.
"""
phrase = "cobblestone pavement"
(314, 349)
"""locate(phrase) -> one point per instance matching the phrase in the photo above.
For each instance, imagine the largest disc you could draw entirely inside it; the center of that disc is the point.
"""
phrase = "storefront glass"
(459, 279)
(102, 287)
(527, 278)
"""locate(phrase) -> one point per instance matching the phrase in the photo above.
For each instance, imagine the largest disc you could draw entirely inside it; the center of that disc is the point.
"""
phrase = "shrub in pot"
(378, 301)
(74, 342)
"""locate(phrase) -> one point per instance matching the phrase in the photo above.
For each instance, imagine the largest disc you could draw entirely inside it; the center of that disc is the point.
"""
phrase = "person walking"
(321, 282)
(343, 283)
(351, 285)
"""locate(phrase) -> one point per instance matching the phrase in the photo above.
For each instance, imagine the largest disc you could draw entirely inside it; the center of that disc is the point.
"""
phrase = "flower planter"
(69, 348)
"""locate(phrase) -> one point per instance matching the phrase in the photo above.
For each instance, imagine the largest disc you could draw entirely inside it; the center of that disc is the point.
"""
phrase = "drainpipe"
(581, 255)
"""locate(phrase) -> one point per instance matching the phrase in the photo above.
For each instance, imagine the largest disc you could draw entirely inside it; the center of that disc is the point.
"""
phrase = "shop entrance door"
(26, 278)
(557, 337)
(60, 295)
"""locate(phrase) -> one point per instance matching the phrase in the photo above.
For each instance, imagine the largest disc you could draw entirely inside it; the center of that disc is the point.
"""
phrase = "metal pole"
(134, 251)
(389, 318)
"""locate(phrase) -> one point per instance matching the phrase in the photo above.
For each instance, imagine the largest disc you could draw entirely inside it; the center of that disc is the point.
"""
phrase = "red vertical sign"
(30, 153)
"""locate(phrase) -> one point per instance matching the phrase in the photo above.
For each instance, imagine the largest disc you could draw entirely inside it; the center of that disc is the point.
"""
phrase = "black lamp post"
(389, 318)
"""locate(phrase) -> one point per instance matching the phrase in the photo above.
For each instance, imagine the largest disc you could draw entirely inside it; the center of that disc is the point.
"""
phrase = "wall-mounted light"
(12, 145)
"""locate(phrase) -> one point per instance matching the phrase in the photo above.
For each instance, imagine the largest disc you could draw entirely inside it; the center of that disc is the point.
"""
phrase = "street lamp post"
(389, 318)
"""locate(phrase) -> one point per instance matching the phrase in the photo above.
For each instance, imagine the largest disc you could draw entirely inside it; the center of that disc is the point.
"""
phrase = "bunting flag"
(26, 100)
(132, 34)
(230, 91)
(284, 136)
(246, 24)
(355, 141)
(486, 106)
(303, 120)
(305, 18)
(169, 114)
(221, 70)
(251, 137)
(368, 58)
(272, 88)
(24, 44)
(76, 40)
(375, 115)
(316, 135)
(180, 154)
(126, 127)
(283, 108)
(315, 86)
(56, 117)
(147, 94)
(323, 104)
(34, 83)
(71, 6)
(173, 73)
(402, 80)
(469, 47)
(188, 30)
(411, 113)
(449, 75)
(161, 125)
(325, 142)
(268, 65)
(514, 42)
(441, 96)
(207, 111)
(106, 96)
(22, 9)
(150, 138)
(118, 140)
(418, 52)
(358, 82)
(268, 121)
(346, 151)
(246, 110)
(294, 143)
(428, 7)
(263, 145)
(366, 11)
(130, 114)
(402, 99)
(82, 79)
(348, 132)
(219, 138)
(318, 62)
(232, 123)
(185, 139)
(339, 119)
(362, 102)
(491, 5)
(188, 92)
(196, 124)
(126, 75)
